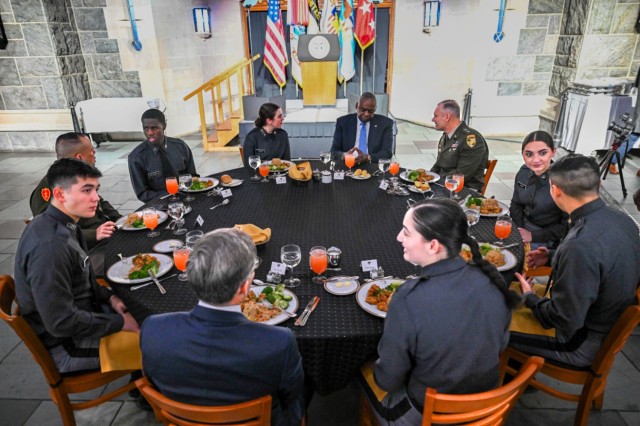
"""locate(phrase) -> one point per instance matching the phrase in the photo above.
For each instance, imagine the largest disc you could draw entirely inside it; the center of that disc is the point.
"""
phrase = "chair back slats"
(616, 339)
(491, 164)
(485, 408)
(251, 413)
(9, 313)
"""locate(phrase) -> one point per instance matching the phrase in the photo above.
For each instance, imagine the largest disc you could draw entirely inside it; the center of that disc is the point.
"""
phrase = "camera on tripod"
(625, 128)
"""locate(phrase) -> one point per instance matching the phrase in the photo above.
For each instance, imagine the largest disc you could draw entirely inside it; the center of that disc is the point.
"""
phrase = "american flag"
(275, 53)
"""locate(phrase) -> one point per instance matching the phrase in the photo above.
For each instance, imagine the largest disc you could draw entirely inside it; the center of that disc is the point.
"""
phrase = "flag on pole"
(297, 12)
(346, 67)
(365, 24)
(275, 53)
(295, 31)
(328, 19)
(314, 16)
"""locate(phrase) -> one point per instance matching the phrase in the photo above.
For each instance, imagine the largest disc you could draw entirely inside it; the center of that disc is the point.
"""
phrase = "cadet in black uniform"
(596, 269)
(267, 140)
(55, 285)
(157, 158)
(461, 149)
(538, 218)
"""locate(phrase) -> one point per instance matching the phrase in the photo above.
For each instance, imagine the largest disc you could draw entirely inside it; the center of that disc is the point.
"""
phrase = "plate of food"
(341, 285)
(419, 187)
(277, 165)
(488, 207)
(419, 175)
(256, 309)
(374, 296)
(133, 221)
(228, 182)
(500, 258)
(135, 269)
(199, 184)
(361, 174)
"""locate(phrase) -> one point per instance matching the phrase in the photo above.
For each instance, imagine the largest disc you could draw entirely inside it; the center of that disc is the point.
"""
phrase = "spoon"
(223, 203)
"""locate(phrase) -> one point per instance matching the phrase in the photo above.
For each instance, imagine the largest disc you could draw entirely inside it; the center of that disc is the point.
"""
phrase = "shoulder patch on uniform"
(471, 141)
(46, 194)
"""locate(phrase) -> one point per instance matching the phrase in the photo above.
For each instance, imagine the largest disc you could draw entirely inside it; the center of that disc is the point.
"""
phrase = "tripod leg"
(605, 163)
(624, 189)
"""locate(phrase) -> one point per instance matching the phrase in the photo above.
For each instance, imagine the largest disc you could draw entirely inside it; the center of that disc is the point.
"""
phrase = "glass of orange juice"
(264, 172)
(318, 263)
(502, 229)
(172, 187)
(394, 168)
(180, 257)
(150, 219)
(349, 161)
(460, 178)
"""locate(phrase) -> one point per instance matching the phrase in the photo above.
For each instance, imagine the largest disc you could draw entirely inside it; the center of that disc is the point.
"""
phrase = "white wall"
(428, 68)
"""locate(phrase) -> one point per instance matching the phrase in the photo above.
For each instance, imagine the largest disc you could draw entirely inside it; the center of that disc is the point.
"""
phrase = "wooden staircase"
(225, 91)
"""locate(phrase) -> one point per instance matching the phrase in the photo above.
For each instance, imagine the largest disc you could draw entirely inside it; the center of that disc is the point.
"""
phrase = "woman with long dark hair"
(267, 140)
(446, 328)
(539, 221)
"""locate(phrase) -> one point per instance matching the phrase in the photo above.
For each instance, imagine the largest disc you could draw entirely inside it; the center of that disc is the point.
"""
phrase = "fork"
(284, 311)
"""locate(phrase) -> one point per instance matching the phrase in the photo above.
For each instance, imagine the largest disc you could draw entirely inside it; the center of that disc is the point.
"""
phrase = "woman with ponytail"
(446, 328)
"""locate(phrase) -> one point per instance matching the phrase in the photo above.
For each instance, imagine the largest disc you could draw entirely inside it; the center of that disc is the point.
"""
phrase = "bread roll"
(226, 179)
(276, 162)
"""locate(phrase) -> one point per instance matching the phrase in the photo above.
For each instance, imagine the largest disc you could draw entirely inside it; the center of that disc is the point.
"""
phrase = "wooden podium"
(319, 55)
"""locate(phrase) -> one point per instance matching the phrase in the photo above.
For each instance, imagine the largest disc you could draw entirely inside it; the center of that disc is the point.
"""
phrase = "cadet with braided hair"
(446, 328)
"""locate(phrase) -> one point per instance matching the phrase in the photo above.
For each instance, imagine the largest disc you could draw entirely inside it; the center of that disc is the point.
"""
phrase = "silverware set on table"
(311, 306)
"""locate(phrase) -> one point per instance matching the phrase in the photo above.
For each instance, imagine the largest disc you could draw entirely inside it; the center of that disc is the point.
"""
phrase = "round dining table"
(356, 216)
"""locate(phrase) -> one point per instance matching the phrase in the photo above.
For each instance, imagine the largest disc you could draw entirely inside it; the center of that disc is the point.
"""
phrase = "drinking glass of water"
(291, 255)
(254, 163)
(185, 183)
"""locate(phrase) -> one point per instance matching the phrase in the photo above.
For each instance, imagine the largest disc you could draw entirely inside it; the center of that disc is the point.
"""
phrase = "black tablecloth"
(354, 215)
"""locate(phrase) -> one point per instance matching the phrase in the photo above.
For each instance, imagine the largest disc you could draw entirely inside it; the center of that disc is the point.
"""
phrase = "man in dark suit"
(368, 136)
(213, 355)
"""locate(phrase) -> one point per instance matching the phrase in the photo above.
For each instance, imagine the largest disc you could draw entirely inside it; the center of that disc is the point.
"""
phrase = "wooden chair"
(59, 386)
(592, 379)
(241, 151)
(491, 164)
(485, 408)
(170, 412)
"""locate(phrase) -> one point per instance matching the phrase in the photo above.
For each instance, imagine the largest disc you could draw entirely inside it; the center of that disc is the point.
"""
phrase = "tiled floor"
(24, 398)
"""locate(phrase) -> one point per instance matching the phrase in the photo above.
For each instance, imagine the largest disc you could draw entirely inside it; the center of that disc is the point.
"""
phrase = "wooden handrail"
(225, 116)
(222, 76)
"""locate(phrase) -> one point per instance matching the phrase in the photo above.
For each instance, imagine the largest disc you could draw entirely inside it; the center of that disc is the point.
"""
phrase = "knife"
(313, 307)
(155, 280)
(306, 310)
(135, 287)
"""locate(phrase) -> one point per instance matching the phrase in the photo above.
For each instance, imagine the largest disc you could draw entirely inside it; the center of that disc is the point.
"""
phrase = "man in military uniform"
(461, 149)
(157, 158)
(55, 284)
(95, 229)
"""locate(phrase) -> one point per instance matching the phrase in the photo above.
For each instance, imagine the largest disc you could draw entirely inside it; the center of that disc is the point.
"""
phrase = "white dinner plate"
(341, 285)
(361, 296)
(234, 182)
(293, 305)
(353, 176)
(167, 246)
(208, 188)
(403, 176)
(415, 189)
(286, 166)
(118, 272)
(509, 257)
(120, 223)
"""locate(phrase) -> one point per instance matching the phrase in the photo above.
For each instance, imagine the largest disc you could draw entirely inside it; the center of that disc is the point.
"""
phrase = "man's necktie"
(362, 141)
(167, 167)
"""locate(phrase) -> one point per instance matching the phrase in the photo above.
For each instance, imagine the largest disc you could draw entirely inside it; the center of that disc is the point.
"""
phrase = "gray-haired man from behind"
(213, 355)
